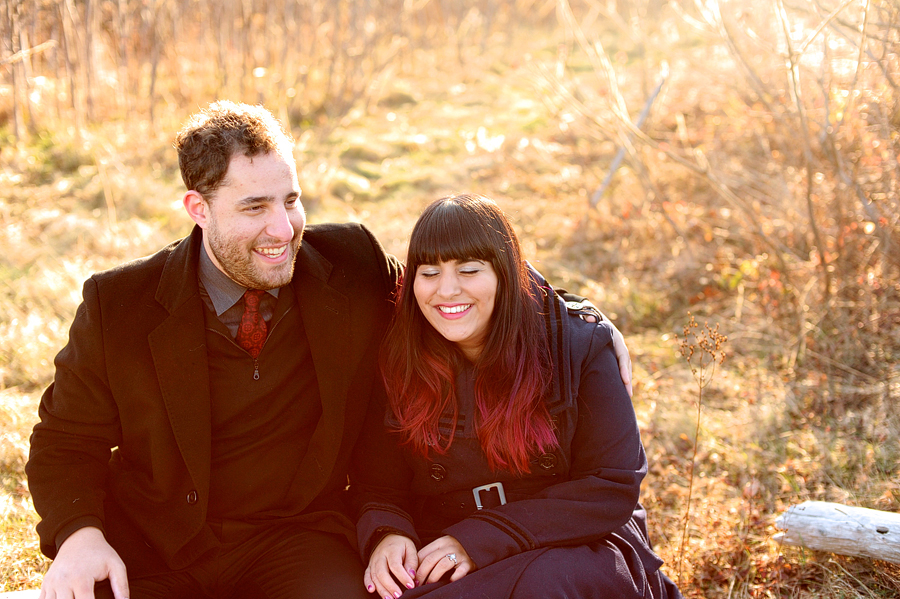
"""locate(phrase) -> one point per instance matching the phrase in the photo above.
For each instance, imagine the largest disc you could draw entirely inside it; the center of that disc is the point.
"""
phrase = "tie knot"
(252, 298)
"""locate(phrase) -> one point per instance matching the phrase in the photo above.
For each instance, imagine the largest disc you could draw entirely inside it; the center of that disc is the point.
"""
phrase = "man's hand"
(393, 559)
(84, 559)
(589, 313)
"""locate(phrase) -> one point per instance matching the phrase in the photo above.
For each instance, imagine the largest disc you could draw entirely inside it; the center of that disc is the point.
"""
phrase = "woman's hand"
(434, 560)
(393, 558)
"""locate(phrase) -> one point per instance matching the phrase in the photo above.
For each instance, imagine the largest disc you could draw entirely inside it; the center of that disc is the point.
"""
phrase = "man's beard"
(237, 261)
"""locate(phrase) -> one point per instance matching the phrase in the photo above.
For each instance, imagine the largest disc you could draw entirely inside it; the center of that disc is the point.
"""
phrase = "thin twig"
(792, 63)
(23, 54)
(620, 155)
(707, 348)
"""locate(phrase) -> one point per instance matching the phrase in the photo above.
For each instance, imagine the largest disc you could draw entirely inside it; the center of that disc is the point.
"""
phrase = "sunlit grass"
(21, 563)
(778, 426)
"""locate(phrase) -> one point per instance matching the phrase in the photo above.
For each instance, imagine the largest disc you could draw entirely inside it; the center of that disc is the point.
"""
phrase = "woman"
(509, 463)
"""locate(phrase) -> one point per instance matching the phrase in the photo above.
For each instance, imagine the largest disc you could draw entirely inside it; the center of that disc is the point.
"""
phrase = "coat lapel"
(326, 321)
(178, 346)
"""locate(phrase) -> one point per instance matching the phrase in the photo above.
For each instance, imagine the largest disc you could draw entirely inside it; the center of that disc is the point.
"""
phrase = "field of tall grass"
(725, 162)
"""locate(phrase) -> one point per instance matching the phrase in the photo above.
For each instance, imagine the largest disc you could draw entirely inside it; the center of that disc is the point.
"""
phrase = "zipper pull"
(255, 369)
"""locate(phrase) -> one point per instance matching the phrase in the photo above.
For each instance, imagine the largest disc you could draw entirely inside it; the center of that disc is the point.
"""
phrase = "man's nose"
(279, 225)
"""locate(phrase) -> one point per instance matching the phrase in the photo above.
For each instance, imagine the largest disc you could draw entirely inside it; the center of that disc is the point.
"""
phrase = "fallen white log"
(841, 529)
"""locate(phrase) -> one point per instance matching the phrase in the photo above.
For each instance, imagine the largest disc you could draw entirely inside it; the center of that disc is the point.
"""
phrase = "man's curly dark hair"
(209, 140)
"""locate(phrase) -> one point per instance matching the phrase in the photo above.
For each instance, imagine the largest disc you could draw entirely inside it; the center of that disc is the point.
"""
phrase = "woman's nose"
(448, 284)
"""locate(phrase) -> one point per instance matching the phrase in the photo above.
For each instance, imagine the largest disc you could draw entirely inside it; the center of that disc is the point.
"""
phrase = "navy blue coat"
(572, 527)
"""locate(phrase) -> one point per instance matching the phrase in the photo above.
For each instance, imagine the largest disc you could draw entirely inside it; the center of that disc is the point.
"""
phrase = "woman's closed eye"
(471, 267)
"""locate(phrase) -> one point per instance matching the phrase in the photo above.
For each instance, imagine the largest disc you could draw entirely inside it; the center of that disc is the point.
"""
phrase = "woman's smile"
(454, 311)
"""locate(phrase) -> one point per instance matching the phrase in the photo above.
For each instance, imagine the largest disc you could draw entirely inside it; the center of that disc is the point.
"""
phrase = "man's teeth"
(272, 252)
(454, 309)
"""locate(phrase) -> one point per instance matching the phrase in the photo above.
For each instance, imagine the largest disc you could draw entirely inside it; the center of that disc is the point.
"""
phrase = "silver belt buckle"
(477, 493)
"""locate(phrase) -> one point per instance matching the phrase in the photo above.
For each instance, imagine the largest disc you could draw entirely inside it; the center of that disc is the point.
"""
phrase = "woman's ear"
(197, 208)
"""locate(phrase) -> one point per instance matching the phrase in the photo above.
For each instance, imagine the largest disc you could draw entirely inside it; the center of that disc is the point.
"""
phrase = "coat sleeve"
(378, 472)
(379, 483)
(601, 493)
(79, 425)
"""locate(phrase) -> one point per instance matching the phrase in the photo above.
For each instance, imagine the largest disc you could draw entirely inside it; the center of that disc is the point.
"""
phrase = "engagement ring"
(452, 558)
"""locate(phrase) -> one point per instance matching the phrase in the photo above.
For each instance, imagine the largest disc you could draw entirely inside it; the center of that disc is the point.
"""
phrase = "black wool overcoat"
(123, 441)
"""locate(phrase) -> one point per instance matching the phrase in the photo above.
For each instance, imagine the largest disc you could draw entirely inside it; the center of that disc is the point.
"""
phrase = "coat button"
(437, 472)
(547, 461)
(192, 497)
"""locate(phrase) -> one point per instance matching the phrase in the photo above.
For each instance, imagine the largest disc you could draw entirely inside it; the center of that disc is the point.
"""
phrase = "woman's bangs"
(447, 235)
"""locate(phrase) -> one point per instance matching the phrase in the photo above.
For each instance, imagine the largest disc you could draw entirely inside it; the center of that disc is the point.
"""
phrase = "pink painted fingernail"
(369, 588)
(412, 572)
(397, 594)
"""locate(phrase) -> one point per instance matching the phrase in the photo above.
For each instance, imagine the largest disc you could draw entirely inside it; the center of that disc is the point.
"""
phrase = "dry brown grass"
(22, 563)
(802, 407)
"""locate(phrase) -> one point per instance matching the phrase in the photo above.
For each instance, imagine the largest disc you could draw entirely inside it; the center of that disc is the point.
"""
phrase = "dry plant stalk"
(704, 351)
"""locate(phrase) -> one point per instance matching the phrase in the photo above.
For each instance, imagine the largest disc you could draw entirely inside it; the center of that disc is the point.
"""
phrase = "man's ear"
(197, 208)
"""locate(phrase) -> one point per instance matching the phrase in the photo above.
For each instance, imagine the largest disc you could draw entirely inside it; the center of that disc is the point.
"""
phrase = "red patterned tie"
(251, 334)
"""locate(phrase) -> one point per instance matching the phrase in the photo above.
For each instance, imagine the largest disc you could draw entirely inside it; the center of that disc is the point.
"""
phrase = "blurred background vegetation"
(734, 159)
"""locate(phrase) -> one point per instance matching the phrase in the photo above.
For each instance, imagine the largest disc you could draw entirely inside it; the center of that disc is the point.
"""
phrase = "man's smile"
(272, 252)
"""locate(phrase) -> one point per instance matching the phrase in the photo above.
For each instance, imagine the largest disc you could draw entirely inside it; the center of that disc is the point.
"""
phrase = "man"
(199, 427)
(230, 456)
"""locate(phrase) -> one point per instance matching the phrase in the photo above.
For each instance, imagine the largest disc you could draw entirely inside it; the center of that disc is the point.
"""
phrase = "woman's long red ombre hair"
(419, 365)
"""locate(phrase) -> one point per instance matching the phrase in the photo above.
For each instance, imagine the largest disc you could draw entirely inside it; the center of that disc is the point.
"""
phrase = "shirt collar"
(222, 290)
